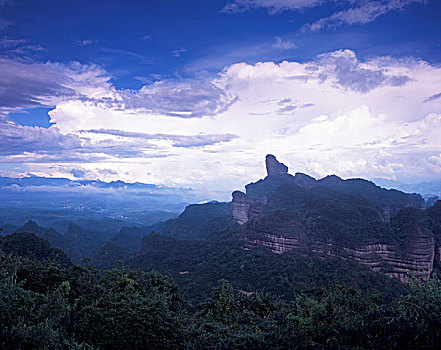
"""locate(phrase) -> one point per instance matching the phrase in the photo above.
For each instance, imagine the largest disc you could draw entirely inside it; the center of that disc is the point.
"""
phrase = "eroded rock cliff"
(350, 219)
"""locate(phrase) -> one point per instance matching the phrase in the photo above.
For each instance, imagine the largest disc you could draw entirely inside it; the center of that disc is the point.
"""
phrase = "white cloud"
(273, 6)
(178, 52)
(24, 85)
(4, 23)
(86, 42)
(334, 114)
(366, 12)
(284, 44)
(356, 12)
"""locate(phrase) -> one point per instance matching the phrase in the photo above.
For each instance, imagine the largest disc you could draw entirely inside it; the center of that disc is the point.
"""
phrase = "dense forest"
(46, 303)
(293, 263)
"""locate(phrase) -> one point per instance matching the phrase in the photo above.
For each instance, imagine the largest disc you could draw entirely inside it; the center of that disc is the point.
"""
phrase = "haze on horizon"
(195, 93)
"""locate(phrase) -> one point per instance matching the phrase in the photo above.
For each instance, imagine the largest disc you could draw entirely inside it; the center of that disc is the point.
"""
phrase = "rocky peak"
(274, 167)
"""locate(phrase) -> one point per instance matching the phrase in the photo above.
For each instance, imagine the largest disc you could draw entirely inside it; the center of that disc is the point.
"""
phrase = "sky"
(195, 93)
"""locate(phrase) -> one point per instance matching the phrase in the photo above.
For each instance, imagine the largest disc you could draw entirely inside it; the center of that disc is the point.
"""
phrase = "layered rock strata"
(417, 255)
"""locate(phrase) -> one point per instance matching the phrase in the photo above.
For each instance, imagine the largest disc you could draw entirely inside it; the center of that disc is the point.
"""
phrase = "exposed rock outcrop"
(274, 167)
(303, 215)
(394, 260)
(241, 207)
(390, 202)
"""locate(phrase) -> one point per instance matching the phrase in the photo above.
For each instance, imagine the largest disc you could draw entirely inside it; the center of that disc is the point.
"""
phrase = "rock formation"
(241, 207)
(273, 167)
(289, 213)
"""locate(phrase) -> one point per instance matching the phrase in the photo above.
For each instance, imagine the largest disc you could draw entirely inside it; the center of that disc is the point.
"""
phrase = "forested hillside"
(44, 305)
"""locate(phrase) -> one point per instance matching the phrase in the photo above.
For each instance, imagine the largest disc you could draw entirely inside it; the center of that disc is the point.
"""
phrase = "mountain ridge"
(350, 219)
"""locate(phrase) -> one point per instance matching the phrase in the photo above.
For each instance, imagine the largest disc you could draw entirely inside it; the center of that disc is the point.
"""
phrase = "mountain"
(29, 245)
(77, 242)
(287, 232)
(385, 230)
(208, 222)
(426, 189)
(198, 221)
(88, 195)
(390, 201)
(121, 246)
(198, 265)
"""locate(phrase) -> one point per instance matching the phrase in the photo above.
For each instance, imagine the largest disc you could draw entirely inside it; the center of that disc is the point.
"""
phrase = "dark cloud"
(17, 139)
(78, 173)
(25, 85)
(30, 84)
(433, 98)
(288, 108)
(284, 101)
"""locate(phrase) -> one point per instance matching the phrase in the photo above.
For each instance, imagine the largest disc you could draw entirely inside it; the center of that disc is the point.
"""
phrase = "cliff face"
(417, 258)
(273, 167)
(350, 219)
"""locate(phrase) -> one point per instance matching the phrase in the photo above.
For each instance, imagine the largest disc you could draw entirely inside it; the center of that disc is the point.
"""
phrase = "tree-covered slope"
(44, 305)
(29, 245)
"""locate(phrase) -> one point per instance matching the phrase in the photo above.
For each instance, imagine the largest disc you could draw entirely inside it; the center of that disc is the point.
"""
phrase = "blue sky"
(195, 93)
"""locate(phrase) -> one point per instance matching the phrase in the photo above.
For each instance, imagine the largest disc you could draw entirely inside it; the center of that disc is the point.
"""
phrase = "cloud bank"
(333, 114)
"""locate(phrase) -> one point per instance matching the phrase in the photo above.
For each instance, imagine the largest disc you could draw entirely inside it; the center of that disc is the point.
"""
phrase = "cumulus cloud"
(361, 118)
(16, 139)
(24, 85)
(352, 74)
(181, 98)
(332, 114)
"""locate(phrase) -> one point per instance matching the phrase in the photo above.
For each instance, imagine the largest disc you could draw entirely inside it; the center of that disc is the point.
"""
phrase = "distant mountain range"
(282, 231)
(426, 189)
(43, 192)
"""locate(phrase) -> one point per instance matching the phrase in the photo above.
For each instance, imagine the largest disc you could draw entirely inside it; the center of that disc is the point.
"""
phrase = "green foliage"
(44, 305)
(28, 244)
(198, 222)
(89, 308)
(197, 266)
